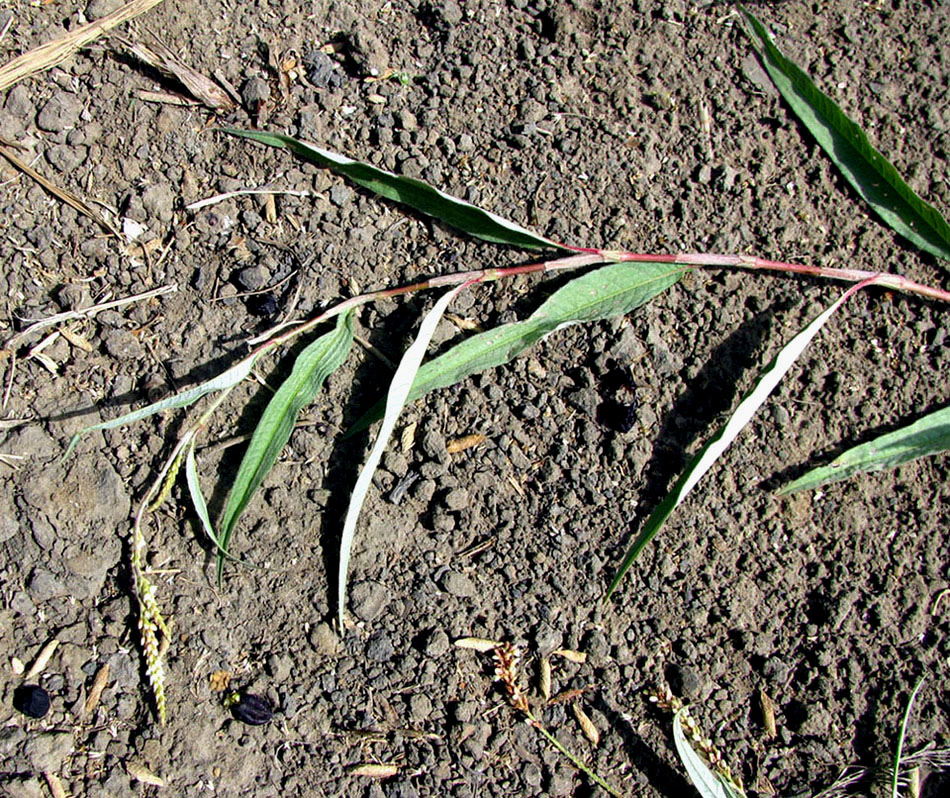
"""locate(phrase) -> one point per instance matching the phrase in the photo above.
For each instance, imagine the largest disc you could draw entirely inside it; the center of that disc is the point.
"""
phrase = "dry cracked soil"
(645, 125)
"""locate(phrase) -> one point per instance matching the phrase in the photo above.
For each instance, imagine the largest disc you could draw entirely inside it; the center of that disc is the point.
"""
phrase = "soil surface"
(642, 125)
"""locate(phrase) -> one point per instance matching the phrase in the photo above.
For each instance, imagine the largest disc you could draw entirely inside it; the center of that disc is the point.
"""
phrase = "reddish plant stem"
(591, 257)
(896, 282)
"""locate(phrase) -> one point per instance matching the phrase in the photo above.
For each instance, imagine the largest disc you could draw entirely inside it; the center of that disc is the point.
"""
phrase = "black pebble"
(254, 710)
(262, 305)
(31, 700)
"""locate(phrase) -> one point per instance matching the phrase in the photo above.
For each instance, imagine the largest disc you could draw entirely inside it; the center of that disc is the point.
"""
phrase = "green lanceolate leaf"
(311, 368)
(869, 172)
(197, 496)
(928, 435)
(600, 294)
(223, 381)
(714, 448)
(708, 783)
(395, 401)
(408, 191)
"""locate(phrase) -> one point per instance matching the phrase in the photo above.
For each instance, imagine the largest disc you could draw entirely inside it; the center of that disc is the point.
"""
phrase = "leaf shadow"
(711, 393)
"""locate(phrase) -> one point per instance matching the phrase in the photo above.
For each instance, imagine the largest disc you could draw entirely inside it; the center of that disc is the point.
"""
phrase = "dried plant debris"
(159, 57)
(58, 50)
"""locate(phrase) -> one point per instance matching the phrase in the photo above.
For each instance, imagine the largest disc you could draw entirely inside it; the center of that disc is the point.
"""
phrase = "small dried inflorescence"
(664, 699)
(506, 671)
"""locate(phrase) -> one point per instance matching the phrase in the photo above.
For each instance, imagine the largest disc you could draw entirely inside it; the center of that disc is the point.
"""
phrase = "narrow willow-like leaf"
(718, 443)
(395, 401)
(609, 291)
(408, 191)
(706, 782)
(869, 172)
(312, 366)
(197, 497)
(223, 381)
(928, 435)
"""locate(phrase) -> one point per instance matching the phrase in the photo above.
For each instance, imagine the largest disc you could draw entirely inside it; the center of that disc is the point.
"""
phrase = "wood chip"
(270, 208)
(465, 442)
(42, 660)
(56, 788)
(571, 655)
(586, 724)
(374, 771)
(141, 773)
(545, 678)
(58, 50)
(767, 707)
(95, 692)
(477, 643)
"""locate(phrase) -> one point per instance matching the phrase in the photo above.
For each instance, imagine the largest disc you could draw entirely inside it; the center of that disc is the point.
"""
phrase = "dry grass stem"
(198, 205)
(767, 707)
(87, 313)
(58, 50)
(61, 194)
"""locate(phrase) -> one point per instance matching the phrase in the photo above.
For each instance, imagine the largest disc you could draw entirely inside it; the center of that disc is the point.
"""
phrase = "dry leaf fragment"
(42, 660)
(374, 771)
(141, 773)
(571, 655)
(159, 57)
(219, 681)
(270, 208)
(477, 643)
(767, 706)
(464, 324)
(568, 695)
(95, 692)
(545, 678)
(407, 437)
(586, 724)
(77, 340)
(465, 442)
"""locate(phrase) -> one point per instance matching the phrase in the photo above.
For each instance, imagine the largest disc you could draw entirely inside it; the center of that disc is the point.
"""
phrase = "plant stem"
(574, 760)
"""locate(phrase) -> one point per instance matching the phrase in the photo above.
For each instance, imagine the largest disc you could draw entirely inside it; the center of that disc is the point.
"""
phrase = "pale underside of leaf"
(603, 293)
(873, 177)
(398, 392)
(706, 782)
(713, 449)
(410, 192)
(926, 436)
(223, 381)
(311, 368)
